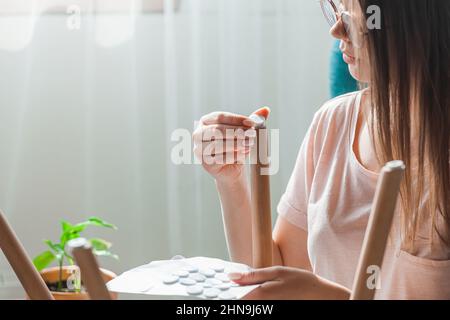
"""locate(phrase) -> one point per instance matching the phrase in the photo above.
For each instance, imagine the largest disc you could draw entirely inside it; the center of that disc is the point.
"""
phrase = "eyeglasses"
(333, 15)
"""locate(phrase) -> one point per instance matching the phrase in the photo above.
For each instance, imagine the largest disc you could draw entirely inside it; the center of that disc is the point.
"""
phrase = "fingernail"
(264, 112)
(235, 276)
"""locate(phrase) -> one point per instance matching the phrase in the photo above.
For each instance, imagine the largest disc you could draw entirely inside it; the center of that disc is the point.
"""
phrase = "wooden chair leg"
(89, 268)
(22, 265)
(260, 198)
(378, 229)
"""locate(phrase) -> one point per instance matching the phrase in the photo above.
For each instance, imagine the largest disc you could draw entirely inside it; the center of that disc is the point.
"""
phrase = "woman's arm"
(292, 244)
(235, 201)
(289, 241)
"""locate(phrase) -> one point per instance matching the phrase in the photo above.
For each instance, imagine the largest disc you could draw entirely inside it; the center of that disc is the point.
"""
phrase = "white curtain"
(89, 97)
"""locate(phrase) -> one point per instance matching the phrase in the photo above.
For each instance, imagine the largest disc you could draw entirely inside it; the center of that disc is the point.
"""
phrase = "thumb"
(263, 112)
(256, 276)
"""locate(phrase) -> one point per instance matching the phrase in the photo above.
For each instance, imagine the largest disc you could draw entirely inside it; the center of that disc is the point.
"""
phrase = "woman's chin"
(356, 73)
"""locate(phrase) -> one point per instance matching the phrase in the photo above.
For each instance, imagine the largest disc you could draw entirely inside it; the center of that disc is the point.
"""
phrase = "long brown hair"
(410, 90)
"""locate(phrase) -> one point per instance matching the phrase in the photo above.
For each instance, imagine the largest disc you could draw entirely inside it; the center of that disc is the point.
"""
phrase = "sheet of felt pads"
(199, 277)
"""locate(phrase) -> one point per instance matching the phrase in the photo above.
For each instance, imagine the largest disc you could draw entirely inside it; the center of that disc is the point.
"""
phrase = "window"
(17, 7)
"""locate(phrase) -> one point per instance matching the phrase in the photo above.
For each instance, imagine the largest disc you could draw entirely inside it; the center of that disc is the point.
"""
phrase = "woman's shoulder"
(339, 110)
(335, 120)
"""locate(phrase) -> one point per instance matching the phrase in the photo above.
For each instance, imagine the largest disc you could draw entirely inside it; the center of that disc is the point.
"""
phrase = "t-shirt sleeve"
(294, 202)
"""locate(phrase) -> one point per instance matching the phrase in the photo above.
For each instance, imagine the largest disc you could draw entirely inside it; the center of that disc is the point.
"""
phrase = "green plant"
(59, 253)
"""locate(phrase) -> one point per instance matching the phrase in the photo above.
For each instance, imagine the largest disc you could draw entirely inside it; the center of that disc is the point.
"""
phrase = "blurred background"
(91, 91)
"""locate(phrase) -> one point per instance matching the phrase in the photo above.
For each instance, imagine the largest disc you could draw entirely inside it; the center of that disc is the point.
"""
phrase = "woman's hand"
(282, 283)
(221, 142)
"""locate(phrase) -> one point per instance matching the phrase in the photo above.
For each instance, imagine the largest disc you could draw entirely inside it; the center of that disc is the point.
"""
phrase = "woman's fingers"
(228, 158)
(222, 139)
(218, 156)
(224, 146)
(224, 118)
(256, 276)
(222, 132)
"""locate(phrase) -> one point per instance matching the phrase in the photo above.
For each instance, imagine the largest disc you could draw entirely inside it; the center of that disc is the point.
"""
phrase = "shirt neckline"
(355, 115)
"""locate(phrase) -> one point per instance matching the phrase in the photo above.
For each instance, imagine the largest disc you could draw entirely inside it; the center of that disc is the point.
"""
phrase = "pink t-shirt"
(330, 195)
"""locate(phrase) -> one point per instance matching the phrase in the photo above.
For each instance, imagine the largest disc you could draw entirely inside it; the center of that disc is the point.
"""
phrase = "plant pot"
(51, 275)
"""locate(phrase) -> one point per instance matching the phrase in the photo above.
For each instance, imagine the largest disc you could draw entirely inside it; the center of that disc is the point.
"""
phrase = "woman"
(402, 114)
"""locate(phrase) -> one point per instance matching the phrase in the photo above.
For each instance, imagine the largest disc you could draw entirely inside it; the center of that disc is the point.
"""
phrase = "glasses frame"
(343, 16)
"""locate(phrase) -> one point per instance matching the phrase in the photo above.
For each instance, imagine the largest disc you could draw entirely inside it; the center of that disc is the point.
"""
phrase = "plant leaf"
(96, 221)
(100, 244)
(69, 259)
(73, 231)
(105, 253)
(65, 226)
(59, 251)
(67, 236)
(70, 232)
(42, 260)
(54, 246)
